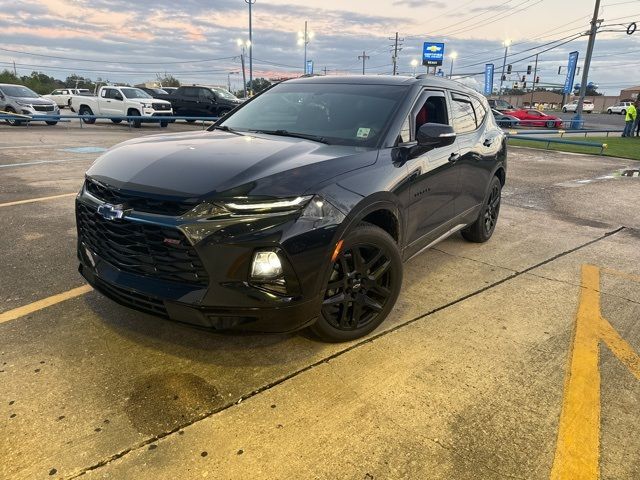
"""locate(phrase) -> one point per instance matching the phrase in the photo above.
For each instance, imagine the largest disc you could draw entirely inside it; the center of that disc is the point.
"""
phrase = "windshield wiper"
(286, 133)
(224, 128)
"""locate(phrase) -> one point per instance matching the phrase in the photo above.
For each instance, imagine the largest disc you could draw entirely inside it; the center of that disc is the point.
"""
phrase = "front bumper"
(226, 300)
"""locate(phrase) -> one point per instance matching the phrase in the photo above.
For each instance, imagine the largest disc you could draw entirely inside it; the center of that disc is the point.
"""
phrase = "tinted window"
(464, 119)
(344, 114)
(190, 92)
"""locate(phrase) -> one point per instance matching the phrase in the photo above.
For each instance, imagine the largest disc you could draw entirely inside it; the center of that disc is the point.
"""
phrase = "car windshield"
(159, 91)
(135, 93)
(221, 92)
(338, 113)
(18, 91)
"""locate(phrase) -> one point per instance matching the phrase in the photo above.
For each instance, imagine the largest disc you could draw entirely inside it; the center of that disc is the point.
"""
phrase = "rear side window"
(479, 110)
(190, 92)
(462, 113)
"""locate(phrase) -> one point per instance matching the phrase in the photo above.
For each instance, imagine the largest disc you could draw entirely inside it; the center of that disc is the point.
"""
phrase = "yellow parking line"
(44, 303)
(578, 448)
(40, 199)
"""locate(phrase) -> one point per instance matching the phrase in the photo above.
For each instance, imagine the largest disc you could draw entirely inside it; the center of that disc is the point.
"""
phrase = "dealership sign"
(571, 72)
(488, 78)
(309, 68)
(432, 54)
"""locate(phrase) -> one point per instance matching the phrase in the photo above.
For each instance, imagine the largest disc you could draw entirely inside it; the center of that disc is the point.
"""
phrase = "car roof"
(426, 80)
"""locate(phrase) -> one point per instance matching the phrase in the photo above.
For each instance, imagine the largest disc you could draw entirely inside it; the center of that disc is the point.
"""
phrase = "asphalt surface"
(476, 374)
(596, 120)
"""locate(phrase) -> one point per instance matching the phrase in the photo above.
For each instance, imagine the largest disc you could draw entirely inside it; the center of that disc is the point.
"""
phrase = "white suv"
(620, 107)
(587, 106)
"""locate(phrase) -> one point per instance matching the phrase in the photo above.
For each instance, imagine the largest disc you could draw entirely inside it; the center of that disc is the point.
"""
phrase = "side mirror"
(435, 135)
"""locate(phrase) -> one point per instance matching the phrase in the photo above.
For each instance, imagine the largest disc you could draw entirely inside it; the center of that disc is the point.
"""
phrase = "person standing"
(636, 123)
(630, 119)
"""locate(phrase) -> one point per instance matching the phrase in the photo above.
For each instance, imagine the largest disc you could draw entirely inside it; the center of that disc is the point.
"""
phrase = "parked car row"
(24, 102)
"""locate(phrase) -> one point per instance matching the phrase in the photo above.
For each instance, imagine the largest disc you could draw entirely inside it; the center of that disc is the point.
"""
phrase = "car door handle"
(454, 157)
(487, 142)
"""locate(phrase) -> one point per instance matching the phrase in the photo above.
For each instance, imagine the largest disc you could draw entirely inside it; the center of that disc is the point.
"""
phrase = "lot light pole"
(250, 2)
(414, 64)
(453, 56)
(303, 39)
(506, 44)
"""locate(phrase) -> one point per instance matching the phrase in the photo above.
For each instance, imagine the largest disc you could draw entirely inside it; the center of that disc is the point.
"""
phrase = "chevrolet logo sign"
(111, 212)
(434, 48)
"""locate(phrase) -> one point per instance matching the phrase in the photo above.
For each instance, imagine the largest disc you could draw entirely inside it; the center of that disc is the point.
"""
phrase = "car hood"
(35, 100)
(220, 164)
(148, 100)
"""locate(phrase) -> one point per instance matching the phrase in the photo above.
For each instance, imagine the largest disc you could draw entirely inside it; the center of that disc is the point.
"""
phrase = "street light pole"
(250, 2)
(506, 44)
(414, 64)
(454, 55)
(303, 40)
(576, 122)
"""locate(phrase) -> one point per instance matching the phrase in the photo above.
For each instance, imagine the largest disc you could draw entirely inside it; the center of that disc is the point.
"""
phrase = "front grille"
(148, 203)
(43, 108)
(149, 250)
(161, 106)
(131, 299)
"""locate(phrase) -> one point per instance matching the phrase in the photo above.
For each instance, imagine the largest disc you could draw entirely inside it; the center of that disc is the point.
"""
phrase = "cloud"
(419, 3)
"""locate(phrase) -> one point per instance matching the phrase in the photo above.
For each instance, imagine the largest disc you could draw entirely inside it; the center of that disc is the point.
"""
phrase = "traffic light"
(537, 79)
(504, 77)
(508, 68)
(528, 69)
(524, 78)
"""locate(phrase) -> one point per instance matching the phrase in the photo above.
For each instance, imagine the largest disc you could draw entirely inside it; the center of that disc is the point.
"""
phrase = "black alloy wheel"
(363, 285)
(550, 124)
(482, 229)
(492, 210)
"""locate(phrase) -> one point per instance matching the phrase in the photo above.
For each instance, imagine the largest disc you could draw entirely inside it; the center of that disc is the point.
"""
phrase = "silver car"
(25, 102)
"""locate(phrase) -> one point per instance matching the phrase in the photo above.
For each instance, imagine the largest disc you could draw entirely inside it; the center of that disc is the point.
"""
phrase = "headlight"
(266, 206)
(146, 105)
(23, 104)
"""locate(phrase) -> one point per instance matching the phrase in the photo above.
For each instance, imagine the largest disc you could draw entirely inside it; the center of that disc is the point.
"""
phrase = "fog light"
(266, 265)
(89, 256)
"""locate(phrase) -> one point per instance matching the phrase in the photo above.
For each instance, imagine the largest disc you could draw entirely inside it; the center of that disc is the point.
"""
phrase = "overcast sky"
(195, 40)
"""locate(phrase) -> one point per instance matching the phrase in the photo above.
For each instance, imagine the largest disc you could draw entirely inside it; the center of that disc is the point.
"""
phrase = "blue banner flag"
(488, 78)
(309, 69)
(571, 72)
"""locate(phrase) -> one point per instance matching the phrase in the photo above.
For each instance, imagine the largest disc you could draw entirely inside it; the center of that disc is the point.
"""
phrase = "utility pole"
(325, 71)
(506, 44)
(364, 58)
(533, 84)
(576, 122)
(306, 41)
(15, 72)
(244, 74)
(397, 47)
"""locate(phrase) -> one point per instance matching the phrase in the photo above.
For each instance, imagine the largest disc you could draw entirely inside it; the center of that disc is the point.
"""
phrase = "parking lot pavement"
(468, 378)
(596, 120)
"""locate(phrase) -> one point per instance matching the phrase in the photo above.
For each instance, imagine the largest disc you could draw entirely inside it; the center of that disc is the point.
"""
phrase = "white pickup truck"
(120, 102)
(62, 96)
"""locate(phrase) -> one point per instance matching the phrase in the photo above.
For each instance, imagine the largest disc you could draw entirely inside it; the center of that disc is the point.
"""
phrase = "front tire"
(482, 229)
(164, 124)
(623, 112)
(51, 123)
(609, 111)
(363, 285)
(551, 124)
(13, 123)
(135, 123)
(564, 110)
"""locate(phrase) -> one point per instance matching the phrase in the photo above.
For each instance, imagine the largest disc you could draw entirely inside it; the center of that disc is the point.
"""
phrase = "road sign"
(432, 54)
(488, 78)
(309, 68)
(571, 72)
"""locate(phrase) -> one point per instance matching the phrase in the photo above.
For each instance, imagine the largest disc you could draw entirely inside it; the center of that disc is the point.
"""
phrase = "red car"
(535, 118)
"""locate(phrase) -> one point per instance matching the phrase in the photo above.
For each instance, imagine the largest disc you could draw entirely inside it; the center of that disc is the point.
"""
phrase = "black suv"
(295, 210)
(200, 101)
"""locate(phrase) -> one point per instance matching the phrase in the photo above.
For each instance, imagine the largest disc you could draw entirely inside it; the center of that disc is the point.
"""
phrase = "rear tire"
(482, 229)
(51, 123)
(609, 111)
(116, 120)
(164, 124)
(363, 286)
(564, 110)
(623, 112)
(190, 121)
(86, 111)
(551, 124)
